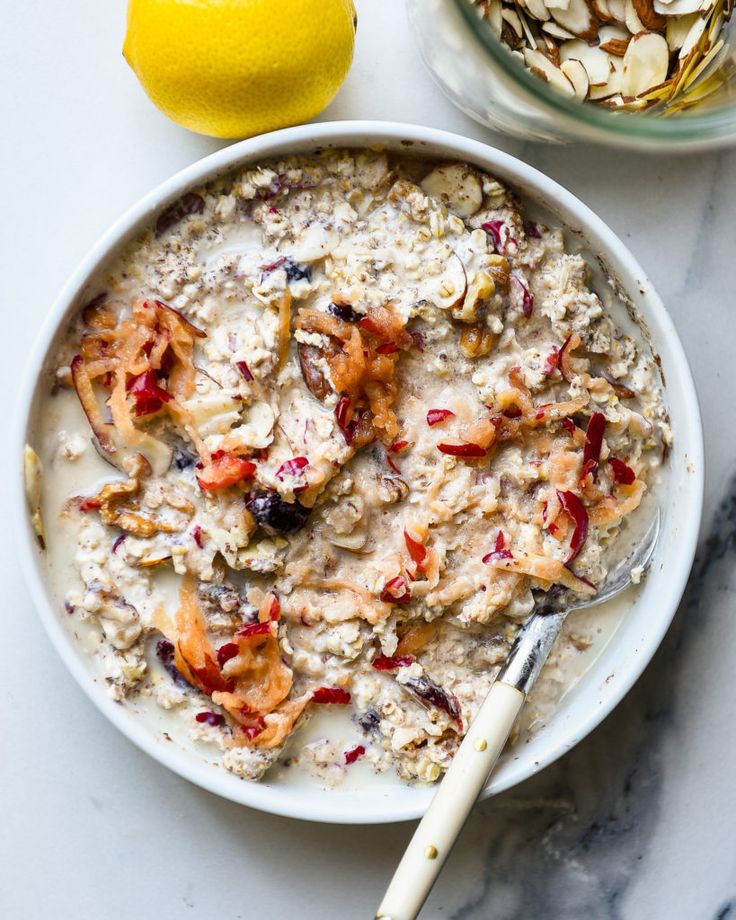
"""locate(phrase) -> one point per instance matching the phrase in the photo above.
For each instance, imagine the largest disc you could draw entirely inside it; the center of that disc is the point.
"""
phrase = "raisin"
(344, 312)
(275, 515)
(185, 206)
(296, 272)
(369, 721)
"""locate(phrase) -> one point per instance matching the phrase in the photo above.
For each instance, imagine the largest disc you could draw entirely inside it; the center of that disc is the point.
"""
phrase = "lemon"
(235, 68)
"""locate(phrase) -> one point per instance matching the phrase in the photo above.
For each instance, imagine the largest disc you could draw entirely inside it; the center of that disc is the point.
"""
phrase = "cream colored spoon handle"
(466, 776)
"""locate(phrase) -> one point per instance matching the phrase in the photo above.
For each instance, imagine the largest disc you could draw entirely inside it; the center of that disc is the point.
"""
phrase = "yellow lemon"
(234, 68)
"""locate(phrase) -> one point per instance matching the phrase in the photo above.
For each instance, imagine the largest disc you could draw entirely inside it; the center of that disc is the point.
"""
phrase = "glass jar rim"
(689, 129)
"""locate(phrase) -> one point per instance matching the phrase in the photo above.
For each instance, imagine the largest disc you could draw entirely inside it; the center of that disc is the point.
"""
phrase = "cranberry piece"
(331, 695)
(255, 629)
(576, 510)
(197, 535)
(210, 718)
(391, 663)
(417, 550)
(396, 591)
(354, 753)
(436, 416)
(622, 473)
(429, 692)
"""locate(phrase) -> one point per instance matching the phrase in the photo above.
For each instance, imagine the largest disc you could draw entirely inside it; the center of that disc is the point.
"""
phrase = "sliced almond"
(631, 19)
(648, 15)
(612, 86)
(557, 4)
(578, 76)
(512, 18)
(495, 18)
(677, 30)
(600, 8)
(596, 62)
(544, 68)
(697, 30)
(645, 63)
(555, 29)
(457, 185)
(616, 46)
(617, 9)
(677, 7)
(578, 18)
(537, 10)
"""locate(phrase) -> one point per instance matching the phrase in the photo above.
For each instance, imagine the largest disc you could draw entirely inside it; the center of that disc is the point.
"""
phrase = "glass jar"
(488, 83)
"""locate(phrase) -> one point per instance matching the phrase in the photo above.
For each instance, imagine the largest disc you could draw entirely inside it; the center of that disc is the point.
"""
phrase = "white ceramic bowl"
(636, 639)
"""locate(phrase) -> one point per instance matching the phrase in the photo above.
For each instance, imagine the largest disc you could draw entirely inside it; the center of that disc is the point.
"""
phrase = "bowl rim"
(315, 136)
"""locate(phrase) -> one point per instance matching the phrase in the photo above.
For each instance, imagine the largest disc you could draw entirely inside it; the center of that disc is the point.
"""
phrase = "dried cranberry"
(622, 473)
(334, 695)
(499, 232)
(435, 416)
(354, 753)
(188, 204)
(551, 362)
(210, 718)
(344, 312)
(569, 425)
(274, 514)
(226, 652)
(197, 535)
(398, 446)
(392, 663)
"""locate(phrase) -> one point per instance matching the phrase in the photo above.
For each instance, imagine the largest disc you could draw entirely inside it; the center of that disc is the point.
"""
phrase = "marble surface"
(636, 822)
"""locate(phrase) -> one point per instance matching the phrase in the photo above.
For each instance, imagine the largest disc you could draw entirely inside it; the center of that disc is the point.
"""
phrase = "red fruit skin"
(396, 591)
(499, 550)
(148, 395)
(594, 442)
(294, 469)
(462, 450)
(389, 348)
(255, 629)
(245, 370)
(576, 509)
(417, 550)
(398, 446)
(331, 695)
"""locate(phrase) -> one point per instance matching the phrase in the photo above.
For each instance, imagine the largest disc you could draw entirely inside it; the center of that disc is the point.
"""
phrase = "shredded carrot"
(194, 655)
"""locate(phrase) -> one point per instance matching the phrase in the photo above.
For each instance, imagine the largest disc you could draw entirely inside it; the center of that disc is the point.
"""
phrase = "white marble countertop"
(636, 822)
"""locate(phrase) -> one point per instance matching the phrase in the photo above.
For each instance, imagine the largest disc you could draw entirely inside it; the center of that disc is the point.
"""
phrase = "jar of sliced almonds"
(654, 74)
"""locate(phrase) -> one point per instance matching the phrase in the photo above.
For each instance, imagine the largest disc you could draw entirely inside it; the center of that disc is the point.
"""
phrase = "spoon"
(489, 731)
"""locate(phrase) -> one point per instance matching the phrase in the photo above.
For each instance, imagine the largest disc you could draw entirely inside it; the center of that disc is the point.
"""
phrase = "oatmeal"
(346, 415)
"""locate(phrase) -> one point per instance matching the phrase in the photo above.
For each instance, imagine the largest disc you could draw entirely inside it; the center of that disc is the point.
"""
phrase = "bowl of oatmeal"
(307, 434)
